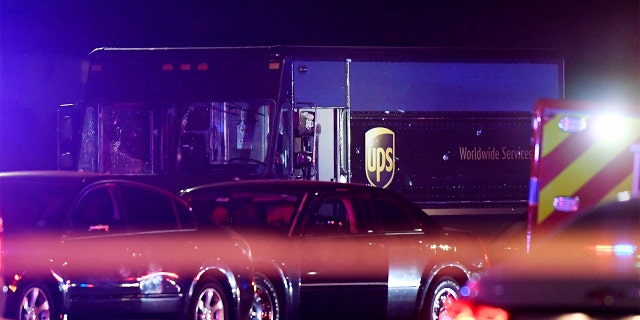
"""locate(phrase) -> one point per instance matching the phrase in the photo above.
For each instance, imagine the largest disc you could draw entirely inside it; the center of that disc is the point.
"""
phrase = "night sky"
(43, 43)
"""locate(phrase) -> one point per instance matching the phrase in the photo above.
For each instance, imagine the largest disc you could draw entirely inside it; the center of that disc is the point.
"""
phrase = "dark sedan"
(588, 270)
(87, 246)
(328, 250)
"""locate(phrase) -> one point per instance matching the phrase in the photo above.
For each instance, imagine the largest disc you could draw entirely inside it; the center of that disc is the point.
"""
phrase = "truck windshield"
(189, 138)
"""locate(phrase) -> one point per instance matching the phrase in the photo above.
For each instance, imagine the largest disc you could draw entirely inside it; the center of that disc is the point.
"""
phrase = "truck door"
(321, 95)
(321, 143)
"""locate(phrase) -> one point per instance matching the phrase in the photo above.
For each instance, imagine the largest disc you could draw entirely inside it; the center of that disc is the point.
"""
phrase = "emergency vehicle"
(448, 128)
(585, 154)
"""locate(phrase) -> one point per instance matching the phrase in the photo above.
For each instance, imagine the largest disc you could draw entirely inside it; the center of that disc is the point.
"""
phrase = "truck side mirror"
(65, 143)
(65, 161)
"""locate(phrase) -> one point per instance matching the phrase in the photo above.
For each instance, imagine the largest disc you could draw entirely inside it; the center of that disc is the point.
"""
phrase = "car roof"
(51, 175)
(293, 185)
(76, 178)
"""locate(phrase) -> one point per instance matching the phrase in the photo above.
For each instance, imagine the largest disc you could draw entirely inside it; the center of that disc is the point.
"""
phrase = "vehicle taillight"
(274, 65)
(202, 67)
(1, 244)
(487, 261)
(617, 249)
(185, 66)
(465, 310)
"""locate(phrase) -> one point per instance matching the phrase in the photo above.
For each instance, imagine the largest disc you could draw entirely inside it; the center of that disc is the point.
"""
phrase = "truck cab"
(193, 115)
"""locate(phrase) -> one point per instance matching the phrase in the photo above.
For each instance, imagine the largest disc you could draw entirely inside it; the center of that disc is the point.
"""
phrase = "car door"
(410, 248)
(343, 265)
(118, 242)
(98, 260)
(161, 242)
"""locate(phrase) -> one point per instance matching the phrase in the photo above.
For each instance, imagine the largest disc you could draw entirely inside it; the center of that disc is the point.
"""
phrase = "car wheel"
(209, 302)
(265, 304)
(444, 292)
(36, 302)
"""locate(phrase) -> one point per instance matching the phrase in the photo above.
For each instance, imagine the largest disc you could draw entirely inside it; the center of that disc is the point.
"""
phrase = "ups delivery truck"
(448, 128)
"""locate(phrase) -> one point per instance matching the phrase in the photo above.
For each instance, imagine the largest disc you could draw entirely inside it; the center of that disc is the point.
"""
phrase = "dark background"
(44, 44)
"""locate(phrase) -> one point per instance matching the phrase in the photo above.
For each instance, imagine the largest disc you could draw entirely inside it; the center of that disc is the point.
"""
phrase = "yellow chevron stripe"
(624, 186)
(552, 135)
(567, 182)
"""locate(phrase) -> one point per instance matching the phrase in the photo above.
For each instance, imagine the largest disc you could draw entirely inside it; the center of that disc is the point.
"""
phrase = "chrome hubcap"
(35, 306)
(210, 306)
(442, 300)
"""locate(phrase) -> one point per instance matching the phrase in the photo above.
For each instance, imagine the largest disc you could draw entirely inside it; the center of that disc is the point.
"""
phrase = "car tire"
(209, 301)
(266, 305)
(444, 291)
(36, 302)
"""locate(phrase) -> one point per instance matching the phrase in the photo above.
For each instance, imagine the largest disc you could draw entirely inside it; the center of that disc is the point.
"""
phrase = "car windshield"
(224, 132)
(192, 138)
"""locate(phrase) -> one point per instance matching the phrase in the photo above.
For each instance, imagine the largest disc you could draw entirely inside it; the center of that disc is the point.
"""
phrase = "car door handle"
(99, 227)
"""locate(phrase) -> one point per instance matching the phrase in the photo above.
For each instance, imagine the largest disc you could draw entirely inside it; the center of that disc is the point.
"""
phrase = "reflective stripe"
(582, 166)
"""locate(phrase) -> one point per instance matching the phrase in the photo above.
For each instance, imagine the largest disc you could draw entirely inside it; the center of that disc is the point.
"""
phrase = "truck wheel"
(265, 304)
(209, 302)
(444, 291)
(36, 302)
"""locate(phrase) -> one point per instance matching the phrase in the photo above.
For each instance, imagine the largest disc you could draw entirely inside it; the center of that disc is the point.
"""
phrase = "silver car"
(328, 250)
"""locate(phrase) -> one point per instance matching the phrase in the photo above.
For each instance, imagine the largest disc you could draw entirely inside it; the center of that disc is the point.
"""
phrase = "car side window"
(393, 216)
(96, 213)
(331, 216)
(147, 210)
(279, 214)
(186, 219)
(32, 207)
(363, 208)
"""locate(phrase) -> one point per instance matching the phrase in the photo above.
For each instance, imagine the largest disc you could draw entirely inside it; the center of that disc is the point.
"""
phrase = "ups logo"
(380, 146)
